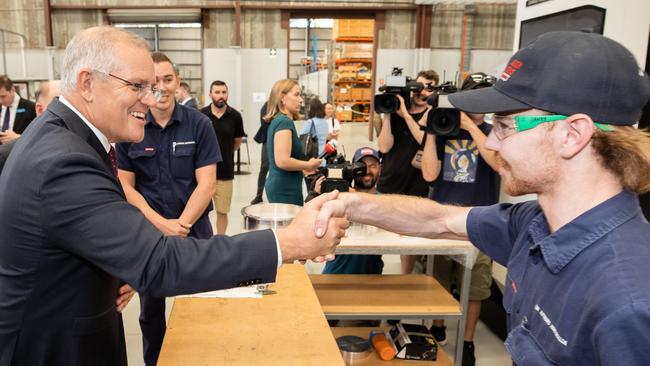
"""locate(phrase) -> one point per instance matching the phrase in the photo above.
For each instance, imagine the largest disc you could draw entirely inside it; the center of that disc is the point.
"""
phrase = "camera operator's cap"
(567, 73)
(363, 152)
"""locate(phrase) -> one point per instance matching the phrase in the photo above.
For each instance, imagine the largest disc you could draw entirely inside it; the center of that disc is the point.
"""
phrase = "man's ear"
(85, 84)
(577, 135)
(39, 108)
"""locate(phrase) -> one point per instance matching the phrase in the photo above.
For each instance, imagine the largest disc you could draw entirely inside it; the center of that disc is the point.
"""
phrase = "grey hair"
(94, 48)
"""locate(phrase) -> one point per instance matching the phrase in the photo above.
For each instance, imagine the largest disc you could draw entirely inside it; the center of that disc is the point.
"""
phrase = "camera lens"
(386, 103)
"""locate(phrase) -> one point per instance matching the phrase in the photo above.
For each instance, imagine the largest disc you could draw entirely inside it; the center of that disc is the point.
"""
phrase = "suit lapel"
(75, 124)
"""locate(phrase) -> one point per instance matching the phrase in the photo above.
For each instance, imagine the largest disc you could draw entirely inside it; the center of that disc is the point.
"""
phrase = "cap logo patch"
(510, 69)
(366, 152)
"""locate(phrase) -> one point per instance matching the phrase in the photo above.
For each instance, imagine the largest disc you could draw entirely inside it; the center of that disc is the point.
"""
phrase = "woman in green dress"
(284, 184)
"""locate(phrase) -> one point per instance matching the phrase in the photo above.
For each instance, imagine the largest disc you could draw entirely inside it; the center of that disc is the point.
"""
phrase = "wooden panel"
(373, 359)
(383, 295)
(218, 32)
(262, 29)
(24, 17)
(67, 23)
(282, 329)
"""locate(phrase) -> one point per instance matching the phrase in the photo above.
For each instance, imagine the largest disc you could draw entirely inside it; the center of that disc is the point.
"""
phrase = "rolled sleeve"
(122, 154)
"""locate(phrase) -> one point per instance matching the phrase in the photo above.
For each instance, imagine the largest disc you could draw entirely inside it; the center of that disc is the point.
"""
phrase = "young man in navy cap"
(577, 289)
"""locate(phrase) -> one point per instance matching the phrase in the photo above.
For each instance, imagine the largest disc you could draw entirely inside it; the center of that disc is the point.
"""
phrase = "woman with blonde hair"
(284, 184)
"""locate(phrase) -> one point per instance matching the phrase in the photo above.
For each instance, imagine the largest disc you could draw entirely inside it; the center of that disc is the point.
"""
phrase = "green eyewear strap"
(523, 123)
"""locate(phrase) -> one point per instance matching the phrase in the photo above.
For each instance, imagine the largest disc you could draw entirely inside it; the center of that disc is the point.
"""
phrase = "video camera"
(443, 119)
(394, 84)
(338, 172)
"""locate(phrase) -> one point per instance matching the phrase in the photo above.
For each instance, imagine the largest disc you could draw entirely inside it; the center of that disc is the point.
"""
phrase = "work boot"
(468, 354)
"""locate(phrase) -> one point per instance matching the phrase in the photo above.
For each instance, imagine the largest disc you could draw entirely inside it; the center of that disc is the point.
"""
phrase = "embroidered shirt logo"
(512, 67)
(550, 325)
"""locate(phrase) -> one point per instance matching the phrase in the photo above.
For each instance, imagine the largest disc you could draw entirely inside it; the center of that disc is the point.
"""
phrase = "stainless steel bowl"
(268, 215)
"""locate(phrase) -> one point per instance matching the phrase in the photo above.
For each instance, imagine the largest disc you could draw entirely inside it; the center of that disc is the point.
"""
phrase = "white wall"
(626, 21)
(37, 62)
(248, 72)
(316, 82)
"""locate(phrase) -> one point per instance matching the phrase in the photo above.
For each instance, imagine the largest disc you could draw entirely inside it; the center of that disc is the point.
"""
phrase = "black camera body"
(394, 84)
(339, 174)
(443, 119)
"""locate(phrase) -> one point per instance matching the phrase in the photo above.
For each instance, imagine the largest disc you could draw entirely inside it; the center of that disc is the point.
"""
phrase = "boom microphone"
(330, 148)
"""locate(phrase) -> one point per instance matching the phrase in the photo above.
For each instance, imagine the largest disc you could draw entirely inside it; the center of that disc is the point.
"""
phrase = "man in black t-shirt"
(400, 139)
(229, 127)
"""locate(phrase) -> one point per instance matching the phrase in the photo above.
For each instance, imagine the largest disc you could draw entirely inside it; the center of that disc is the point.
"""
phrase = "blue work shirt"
(164, 163)
(578, 296)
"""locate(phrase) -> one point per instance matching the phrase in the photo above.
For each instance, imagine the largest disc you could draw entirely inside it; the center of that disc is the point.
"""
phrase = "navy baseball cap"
(567, 73)
(363, 152)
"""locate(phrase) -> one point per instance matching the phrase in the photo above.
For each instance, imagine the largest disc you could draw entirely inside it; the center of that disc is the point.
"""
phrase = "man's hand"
(401, 111)
(173, 227)
(330, 210)
(124, 295)
(466, 123)
(7, 136)
(300, 241)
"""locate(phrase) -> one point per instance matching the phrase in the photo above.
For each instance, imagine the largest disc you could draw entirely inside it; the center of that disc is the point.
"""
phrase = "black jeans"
(264, 170)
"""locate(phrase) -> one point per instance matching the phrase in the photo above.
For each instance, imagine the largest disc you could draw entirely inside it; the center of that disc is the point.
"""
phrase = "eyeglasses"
(505, 126)
(143, 91)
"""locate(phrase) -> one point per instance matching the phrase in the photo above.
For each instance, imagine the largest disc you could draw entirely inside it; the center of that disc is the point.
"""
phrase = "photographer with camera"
(367, 183)
(463, 172)
(400, 140)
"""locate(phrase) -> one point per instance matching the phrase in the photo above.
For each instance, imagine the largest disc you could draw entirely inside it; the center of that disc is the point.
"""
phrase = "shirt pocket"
(524, 348)
(144, 164)
(183, 160)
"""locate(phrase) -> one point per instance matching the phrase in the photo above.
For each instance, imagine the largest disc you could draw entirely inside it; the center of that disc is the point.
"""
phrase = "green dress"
(283, 186)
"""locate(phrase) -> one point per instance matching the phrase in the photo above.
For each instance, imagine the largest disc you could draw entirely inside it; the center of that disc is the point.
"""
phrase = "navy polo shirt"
(579, 296)
(164, 162)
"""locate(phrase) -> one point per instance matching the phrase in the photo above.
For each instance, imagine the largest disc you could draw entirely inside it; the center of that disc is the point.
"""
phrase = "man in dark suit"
(184, 96)
(44, 95)
(67, 235)
(17, 112)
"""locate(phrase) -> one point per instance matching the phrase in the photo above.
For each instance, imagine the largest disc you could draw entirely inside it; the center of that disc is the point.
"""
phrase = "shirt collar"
(186, 100)
(176, 117)
(570, 240)
(100, 136)
(14, 104)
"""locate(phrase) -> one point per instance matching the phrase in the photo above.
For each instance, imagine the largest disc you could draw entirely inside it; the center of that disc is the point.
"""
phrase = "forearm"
(198, 202)
(136, 199)
(430, 162)
(291, 164)
(236, 144)
(414, 128)
(488, 155)
(406, 215)
(386, 139)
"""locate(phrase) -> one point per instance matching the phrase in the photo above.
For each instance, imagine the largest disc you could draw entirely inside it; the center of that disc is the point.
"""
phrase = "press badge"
(21, 110)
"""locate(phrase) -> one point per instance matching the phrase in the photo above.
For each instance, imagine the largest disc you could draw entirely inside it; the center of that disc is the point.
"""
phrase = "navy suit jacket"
(192, 104)
(67, 235)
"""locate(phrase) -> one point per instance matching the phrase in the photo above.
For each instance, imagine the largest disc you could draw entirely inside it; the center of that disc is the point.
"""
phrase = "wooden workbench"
(286, 328)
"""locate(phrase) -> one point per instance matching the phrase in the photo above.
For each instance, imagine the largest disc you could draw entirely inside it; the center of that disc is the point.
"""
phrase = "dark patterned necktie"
(111, 156)
(5, 123)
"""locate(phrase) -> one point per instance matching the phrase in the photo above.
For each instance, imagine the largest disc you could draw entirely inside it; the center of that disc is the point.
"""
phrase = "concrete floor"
(489, 348)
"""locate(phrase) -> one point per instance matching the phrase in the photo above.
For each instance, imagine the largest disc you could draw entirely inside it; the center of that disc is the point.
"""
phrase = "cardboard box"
(342, 94)
(353, 28)
(360, 93)
(344, 115)
(414, 342)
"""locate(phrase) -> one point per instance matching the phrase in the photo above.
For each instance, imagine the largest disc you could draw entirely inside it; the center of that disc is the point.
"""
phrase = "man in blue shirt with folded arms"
(577, 289)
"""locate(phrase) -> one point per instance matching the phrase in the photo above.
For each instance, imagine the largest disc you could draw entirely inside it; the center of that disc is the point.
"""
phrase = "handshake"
(316, 230)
